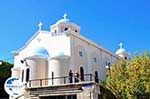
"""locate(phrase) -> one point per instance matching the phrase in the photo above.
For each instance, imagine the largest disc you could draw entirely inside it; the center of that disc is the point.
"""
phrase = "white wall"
(55, 45)
(69, 46)
(89, 53)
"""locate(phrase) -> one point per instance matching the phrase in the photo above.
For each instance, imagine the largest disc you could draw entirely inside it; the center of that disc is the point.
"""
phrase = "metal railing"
(59, 80)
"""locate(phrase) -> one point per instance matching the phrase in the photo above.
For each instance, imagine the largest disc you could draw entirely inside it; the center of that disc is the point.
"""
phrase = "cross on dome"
(65, 16)
(40, 26)
(121, 45)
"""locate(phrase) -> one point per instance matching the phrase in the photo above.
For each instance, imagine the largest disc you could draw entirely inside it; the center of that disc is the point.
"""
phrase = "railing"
(59, 80)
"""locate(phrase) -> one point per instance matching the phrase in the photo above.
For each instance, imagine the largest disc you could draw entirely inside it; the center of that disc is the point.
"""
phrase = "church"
(62, 64)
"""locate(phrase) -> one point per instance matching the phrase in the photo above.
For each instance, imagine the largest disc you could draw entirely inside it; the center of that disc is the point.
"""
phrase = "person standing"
(70, 76)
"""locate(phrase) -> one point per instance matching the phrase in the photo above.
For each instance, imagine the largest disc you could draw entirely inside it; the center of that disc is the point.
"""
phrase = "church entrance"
(60, 97)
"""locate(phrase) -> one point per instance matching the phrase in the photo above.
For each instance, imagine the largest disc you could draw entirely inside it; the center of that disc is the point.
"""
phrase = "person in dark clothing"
(76, 78)
(70, 76)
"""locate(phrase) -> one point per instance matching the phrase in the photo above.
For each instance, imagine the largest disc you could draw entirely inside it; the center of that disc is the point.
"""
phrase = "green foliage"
(130, 79)
(5, 69)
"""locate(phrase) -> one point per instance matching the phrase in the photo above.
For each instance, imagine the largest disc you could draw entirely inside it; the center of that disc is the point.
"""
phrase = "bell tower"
(63, 25)
(122, 52)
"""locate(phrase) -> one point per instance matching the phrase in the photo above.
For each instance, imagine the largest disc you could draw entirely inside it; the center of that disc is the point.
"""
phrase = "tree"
(5, 72)
(5, 69)
(130, 79)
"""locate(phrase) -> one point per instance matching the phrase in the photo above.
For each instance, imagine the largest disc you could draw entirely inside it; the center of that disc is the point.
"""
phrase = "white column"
(60, 67)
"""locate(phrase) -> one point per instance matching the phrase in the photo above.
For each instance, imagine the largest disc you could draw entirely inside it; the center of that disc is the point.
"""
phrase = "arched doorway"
(81, 73)
(96, 77)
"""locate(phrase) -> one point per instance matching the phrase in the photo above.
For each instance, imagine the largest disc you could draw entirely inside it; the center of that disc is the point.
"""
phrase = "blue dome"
(121, 50)
(41, 51)
(62, 21)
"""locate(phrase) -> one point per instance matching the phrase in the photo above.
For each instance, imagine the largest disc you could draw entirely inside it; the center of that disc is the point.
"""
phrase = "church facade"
(62, 64)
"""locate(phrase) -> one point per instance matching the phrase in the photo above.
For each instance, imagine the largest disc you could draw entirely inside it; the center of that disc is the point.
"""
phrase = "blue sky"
(107, 22)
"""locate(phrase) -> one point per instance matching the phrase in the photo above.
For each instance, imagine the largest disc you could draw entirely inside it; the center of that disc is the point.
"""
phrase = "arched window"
(96, 77)
(65, 29)
(55, 31)
(76, 30)
(27, 74)
(95, 60)
(81, 73)
(22, 75)
(80, 53)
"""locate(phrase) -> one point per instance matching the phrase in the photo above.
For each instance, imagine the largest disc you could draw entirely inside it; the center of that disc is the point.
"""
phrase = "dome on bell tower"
(64, 20)
(64, 25)
(122, 52)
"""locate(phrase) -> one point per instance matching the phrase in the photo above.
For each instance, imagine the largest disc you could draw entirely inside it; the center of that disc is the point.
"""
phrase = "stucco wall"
(90, 52)
(55, 46)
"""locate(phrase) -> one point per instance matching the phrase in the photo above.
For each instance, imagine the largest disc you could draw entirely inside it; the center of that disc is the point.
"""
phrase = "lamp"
(108, 67)
(1, 62)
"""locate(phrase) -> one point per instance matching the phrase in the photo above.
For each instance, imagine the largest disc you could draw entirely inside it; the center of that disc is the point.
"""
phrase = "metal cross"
(65, 16)
(121, 45)
(40, 25)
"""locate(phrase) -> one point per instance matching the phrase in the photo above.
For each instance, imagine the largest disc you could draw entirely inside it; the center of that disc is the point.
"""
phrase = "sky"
(106, 22)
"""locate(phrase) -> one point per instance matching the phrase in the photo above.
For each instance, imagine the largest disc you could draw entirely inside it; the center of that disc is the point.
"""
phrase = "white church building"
(62, 64)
